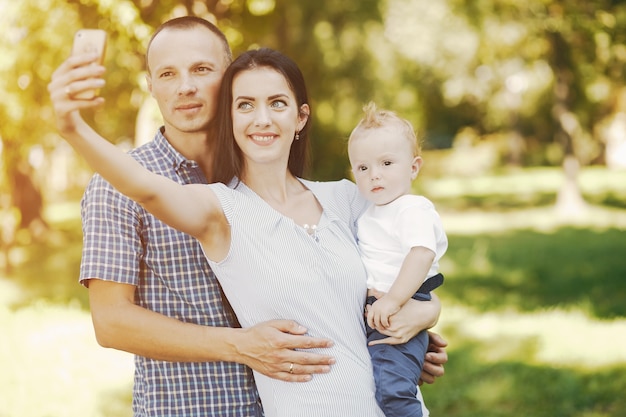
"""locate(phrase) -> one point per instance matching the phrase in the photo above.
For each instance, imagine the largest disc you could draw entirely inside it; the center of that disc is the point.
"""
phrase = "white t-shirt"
(387, 233)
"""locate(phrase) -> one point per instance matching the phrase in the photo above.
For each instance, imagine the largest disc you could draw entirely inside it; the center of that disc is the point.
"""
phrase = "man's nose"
(187, 85)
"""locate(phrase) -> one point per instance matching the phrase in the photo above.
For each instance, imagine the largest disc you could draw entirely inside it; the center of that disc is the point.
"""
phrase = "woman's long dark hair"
(228, 161)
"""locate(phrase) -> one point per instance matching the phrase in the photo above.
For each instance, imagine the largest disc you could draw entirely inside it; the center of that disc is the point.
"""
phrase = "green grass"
(534, 308)
(52, 366)
(531, 270)
(513, 387)
(517, 189)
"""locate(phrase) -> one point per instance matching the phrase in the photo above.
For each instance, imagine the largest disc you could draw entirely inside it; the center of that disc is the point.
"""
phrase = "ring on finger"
(291, 368)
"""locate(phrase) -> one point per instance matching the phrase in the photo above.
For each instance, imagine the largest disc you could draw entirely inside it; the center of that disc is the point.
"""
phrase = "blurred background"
(522, 106)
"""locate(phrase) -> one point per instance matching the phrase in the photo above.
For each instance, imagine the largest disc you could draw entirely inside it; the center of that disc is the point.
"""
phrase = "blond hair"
(375, 118)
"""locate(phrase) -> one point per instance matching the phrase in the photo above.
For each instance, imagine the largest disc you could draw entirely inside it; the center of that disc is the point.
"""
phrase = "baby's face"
(383, 164)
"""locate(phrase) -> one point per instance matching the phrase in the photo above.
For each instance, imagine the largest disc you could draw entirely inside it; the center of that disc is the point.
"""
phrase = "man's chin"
(192, 127)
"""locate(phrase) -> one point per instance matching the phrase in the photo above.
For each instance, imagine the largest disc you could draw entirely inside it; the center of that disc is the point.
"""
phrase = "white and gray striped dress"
(276, 270)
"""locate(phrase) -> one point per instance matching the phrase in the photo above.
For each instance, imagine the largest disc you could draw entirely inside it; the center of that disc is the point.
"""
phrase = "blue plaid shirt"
(124, 243)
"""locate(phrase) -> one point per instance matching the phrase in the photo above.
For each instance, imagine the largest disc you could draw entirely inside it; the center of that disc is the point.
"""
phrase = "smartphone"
(86, 41)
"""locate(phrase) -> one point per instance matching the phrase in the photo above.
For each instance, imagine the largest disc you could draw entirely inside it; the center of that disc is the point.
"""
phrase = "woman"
(281, 246)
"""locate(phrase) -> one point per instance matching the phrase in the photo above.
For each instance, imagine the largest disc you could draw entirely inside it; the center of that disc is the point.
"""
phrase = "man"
(150, 288)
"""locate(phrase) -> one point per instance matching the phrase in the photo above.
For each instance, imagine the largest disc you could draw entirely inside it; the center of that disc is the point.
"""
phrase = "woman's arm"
(411, 276)
(193, 209)
(413, 317)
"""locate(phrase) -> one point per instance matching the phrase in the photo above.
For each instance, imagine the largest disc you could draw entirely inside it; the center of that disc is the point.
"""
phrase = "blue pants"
(397, 368)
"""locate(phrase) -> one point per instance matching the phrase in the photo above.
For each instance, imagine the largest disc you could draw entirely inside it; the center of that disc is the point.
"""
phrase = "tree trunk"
(569, 200)
(26, 197)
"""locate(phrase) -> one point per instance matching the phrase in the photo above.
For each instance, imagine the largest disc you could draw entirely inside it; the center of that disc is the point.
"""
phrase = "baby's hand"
(378, 314)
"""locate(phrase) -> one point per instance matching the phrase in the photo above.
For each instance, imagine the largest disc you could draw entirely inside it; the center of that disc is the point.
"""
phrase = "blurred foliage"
(508, 82)
(490, 65)
(48, 270)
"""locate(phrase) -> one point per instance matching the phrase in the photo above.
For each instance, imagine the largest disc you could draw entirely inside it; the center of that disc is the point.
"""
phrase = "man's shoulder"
(99, 188)
(151, 155)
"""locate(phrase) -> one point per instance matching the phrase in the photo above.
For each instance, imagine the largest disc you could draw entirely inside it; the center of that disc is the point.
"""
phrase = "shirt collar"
(179, 162)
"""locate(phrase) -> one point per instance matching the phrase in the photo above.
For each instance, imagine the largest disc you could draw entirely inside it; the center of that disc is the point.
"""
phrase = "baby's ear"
(415, 166)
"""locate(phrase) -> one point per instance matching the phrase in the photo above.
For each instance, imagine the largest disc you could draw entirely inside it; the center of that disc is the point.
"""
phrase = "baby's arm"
(411, 276)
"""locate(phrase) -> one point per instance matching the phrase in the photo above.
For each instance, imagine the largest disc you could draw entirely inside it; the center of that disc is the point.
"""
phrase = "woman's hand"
(413, 317)
(76, 74)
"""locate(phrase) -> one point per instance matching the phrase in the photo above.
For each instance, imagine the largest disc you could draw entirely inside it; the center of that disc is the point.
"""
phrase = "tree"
(36, 37)
(541, 70)
(541, 74)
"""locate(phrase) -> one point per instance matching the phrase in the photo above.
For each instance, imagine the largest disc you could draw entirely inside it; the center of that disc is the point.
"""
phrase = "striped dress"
(276, 270)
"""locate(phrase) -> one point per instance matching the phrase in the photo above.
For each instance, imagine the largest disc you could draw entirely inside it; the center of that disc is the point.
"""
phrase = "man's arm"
(434, 360)
(267, 348)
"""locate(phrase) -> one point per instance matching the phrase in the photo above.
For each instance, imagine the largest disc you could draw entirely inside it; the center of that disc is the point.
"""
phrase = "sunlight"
(552, 337)
(544, 219)
(51, 350)
(261, 7)
(9, 291)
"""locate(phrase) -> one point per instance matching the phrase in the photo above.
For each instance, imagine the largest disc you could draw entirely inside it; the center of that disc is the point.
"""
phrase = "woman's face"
(265, 116)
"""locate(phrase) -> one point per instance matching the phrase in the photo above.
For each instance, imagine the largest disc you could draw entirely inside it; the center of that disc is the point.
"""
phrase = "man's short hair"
(190, 22)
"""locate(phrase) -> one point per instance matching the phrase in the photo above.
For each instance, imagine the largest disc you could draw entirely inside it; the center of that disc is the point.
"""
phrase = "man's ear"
(149, 82)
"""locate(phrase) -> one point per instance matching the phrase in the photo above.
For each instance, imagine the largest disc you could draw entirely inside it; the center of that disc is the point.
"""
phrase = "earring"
(297, 135)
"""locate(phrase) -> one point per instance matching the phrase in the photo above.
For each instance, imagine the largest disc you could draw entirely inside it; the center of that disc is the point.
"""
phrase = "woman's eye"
(244, 106)
(279, 104)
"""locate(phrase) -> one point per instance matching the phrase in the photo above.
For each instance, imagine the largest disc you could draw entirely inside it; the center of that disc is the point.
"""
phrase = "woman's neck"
(287, 195)
(271, 186)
